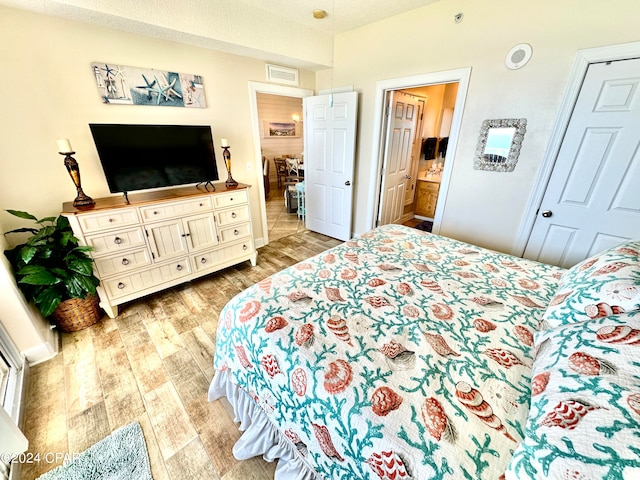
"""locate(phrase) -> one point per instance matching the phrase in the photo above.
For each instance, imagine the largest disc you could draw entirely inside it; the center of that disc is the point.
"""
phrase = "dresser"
(163, 238)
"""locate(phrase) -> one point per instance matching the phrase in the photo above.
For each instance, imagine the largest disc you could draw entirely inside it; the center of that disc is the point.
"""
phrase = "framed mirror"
(499, 144)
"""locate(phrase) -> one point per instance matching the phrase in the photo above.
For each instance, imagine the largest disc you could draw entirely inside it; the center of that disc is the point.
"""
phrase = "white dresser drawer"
(152, 277)
(233, 215)
(120, 217)
(116, 241)
(225, 254)
(122, 262)
(235, 233)
(161, 211)
(230, 199)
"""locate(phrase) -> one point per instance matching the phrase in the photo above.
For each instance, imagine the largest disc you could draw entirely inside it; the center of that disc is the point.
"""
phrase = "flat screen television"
(139, 157)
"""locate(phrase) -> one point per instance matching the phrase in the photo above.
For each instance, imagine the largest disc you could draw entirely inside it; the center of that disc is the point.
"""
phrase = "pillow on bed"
(584, 421)
(605, 284)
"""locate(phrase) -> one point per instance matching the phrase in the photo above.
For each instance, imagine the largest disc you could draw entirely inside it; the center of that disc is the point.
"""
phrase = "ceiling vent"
(284, 75)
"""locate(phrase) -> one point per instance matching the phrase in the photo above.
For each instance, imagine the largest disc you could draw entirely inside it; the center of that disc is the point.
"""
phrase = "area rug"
(122, 455)
(425, 226)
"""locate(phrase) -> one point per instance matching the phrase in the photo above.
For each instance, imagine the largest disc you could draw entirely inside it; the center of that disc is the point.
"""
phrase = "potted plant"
(55, 273)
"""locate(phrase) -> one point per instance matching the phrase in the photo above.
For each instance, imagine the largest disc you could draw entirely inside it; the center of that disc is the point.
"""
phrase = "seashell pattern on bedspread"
(398, 354)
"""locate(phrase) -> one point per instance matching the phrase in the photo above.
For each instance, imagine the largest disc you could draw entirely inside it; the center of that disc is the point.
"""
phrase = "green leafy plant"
(50, 266)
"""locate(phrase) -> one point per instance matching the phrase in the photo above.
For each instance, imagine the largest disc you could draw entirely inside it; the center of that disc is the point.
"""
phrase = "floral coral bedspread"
(398, 354)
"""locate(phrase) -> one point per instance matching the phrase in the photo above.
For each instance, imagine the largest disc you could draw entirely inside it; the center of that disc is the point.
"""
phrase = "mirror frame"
(481, 162)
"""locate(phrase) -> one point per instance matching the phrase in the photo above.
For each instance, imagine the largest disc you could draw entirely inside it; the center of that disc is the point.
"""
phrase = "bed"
(399, 354)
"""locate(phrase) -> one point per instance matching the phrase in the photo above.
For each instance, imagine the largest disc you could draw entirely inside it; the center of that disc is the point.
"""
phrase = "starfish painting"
(120, 84)
(163, 91)
(108, 70)
(171, 91)
(148, 87)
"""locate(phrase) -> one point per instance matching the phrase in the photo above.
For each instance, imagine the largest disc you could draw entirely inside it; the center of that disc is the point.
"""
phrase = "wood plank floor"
(153, 363)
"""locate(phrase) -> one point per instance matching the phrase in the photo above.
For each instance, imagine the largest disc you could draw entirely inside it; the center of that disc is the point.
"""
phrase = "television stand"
(206, 185)
(163, 239)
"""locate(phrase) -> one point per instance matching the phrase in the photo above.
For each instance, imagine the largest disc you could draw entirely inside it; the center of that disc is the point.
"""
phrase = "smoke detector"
(518, 56)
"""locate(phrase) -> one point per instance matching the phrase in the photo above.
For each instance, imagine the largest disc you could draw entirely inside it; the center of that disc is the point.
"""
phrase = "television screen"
(139, 157)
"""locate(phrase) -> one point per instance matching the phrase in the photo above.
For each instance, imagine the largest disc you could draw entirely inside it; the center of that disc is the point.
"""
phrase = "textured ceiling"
(278, 31)
(342, 15)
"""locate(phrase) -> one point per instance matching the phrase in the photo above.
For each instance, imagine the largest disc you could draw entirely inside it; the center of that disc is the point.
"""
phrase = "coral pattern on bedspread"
(584, 420)
(399, 354)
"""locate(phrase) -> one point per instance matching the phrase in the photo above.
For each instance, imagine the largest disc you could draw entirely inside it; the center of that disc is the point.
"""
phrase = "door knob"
(347, 183)
(547, 213)
(408, 177)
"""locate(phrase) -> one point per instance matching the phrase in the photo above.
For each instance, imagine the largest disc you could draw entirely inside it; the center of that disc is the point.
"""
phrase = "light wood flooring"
(280, 222)
(153, 363)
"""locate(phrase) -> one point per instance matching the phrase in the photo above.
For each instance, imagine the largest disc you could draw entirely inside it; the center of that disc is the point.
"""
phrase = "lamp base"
(83, 200)
(230, 183)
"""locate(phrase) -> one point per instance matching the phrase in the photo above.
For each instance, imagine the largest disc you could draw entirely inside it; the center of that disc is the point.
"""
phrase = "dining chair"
(302, 210)
(265, 176)
(292, 165)
(281, 170)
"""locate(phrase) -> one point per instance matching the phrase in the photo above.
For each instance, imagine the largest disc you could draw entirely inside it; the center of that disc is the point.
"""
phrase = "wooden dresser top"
(137, 199)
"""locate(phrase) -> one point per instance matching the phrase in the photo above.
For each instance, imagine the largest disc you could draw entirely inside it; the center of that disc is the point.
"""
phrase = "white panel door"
(402, 116)
(592, 201)
(329, 138)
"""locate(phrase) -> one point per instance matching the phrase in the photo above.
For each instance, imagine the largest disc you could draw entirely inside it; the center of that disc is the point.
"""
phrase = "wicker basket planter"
(77, 313)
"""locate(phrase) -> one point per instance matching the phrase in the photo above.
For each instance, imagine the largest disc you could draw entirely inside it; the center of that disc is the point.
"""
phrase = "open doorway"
(413, 85)
(282, 148)
(428, 153)
(258, 127)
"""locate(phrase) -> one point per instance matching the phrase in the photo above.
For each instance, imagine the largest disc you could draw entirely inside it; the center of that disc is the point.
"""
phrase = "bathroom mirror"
(499, 144)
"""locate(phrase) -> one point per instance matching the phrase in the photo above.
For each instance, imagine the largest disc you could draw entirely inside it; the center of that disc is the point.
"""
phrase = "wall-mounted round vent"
(518, 56)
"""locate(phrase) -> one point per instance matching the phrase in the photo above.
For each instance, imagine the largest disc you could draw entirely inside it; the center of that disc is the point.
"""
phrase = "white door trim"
(254, 89)
(382, 86)
(576, 77)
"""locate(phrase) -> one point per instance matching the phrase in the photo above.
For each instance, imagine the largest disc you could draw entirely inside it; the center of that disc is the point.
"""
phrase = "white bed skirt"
(259, 436)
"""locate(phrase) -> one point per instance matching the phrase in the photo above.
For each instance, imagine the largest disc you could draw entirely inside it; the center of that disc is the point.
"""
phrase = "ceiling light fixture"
(319, 14)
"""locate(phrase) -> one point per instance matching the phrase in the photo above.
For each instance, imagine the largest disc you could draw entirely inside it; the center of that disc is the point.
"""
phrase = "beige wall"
(49, 92)
(481, 207)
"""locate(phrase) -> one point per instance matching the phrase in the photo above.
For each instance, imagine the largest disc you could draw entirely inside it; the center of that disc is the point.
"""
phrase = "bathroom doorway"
(446, 95)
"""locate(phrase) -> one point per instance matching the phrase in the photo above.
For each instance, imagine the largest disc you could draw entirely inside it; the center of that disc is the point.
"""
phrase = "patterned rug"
(122, 455)
(425, 226)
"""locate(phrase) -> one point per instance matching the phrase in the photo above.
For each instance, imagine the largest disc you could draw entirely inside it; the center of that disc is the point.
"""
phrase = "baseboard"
(43, 352)
(407, 216)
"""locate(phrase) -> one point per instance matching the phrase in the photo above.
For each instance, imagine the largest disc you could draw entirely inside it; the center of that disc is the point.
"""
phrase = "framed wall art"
(279, 129)
(122, 85)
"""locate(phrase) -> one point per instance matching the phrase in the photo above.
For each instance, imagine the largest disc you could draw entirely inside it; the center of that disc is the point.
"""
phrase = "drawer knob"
(186, 234)
(201, 204)
(244, 247)
(125, 261)
(178, 267)
(236, 232)
(231, 199)
(233, 215)
(121, 285)
(111, 220)
(155, 213)
(203, 260)
(117, 240)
